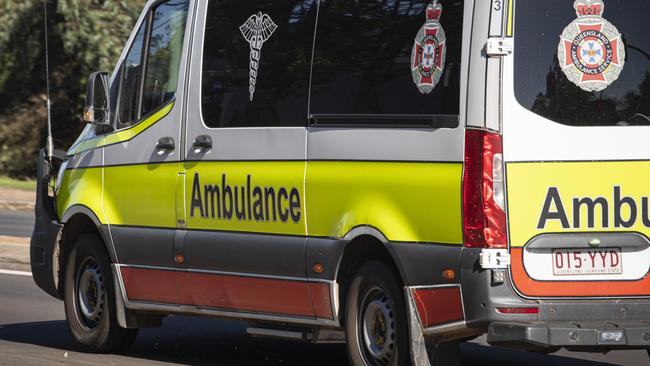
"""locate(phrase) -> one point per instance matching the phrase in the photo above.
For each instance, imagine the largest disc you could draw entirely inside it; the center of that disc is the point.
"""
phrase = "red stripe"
(320, 297)
(250, 294)
(167, 287)
(438, 305)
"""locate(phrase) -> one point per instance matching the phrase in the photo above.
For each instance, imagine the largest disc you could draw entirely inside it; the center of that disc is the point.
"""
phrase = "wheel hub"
(90, 293)
(379, 328)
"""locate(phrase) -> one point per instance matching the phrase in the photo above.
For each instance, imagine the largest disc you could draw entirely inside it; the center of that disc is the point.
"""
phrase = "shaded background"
(84, 36)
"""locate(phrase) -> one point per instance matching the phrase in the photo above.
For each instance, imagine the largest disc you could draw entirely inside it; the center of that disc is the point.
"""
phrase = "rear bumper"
(558, 323)
(575, 335)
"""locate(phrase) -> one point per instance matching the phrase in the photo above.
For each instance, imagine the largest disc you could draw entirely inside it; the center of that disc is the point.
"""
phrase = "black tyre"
(90, 299)
(375, 320)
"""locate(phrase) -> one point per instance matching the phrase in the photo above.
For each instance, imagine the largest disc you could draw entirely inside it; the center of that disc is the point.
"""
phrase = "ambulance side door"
(244, 245)
(142, 155)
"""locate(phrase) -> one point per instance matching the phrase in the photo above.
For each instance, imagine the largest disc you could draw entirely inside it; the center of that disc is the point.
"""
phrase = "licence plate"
(568, 262)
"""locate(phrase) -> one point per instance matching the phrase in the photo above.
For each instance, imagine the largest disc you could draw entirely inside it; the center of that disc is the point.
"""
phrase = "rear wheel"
(375, 322)
(90, 299)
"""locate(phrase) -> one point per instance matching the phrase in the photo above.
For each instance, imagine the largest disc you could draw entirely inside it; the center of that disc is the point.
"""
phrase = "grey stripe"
(245, 253)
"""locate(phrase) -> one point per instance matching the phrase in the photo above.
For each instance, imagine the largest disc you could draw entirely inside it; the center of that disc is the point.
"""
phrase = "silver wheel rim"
(378, 327)
(91, 294)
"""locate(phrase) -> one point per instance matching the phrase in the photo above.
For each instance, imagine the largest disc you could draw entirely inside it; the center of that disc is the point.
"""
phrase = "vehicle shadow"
(188, 341)
(196, 341)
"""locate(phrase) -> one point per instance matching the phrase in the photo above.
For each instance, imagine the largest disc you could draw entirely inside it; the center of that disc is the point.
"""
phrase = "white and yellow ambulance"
(401, 176)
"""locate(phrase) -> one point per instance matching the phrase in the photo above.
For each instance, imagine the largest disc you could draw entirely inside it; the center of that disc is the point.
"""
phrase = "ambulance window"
(591, 70)
(249, 81)
(131, 79)
(363, 61)
(164, 54)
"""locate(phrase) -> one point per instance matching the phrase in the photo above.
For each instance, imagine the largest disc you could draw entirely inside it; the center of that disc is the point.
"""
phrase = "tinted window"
(257, 75)
(542, 85)
(164, 54)
(131, 79)
(363, 63)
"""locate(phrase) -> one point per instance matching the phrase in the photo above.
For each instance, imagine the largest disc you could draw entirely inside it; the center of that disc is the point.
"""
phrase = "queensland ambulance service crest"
(429, 51)
(591, 51)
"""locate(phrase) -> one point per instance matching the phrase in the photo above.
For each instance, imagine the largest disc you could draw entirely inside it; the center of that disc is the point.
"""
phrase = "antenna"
(50, 141)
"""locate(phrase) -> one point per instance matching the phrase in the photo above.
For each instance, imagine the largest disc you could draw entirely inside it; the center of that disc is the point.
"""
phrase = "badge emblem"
(256, 30)
(591, 51)
(429, 51)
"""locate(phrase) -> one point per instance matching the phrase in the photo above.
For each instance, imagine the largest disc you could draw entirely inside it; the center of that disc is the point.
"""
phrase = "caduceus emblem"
(256, 30)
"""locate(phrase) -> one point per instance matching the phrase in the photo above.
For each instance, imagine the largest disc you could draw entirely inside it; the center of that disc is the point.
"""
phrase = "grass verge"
(28, 185)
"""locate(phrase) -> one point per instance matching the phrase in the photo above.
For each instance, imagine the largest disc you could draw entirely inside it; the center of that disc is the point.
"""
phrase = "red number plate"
(567, 262)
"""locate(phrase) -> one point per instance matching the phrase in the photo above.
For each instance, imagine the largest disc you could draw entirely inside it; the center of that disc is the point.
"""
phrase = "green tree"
(84, 36)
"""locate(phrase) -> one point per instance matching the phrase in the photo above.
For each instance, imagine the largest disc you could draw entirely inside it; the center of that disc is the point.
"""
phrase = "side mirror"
(97, 109)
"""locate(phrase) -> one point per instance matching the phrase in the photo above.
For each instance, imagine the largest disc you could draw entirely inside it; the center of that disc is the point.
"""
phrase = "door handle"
(202, 143)
(165, 144)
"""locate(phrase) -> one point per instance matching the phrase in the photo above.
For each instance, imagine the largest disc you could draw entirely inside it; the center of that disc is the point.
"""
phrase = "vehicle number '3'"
(498, 5)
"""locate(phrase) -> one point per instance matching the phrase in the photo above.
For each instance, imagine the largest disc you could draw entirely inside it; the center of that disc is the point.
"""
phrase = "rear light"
(484, 218)
(519, 310)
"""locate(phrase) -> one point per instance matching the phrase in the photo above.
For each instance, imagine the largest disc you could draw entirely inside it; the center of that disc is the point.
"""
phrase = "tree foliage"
(84, 36)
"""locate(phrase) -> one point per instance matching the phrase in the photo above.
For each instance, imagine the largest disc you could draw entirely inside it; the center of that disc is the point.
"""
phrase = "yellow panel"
(511, 18)
(411, 202)
(276, 186)
(141, 195)
(81, 187)
(530, 185)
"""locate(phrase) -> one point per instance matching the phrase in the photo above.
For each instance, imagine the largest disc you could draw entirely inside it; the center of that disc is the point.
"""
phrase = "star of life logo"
(591, 51)
(429, 51)
(256, 30)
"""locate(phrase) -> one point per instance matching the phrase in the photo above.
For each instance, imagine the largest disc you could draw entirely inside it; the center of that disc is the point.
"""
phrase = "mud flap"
(43, 245)
(419, 354)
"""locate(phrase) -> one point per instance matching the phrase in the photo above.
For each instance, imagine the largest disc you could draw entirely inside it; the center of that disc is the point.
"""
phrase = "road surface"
(33, 332)
(16, 223)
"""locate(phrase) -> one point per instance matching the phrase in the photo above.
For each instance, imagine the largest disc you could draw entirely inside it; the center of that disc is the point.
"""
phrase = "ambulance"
(399, 176)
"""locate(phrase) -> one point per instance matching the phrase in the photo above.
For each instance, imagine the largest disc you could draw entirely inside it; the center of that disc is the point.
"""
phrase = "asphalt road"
(16, 223)
(33, 332)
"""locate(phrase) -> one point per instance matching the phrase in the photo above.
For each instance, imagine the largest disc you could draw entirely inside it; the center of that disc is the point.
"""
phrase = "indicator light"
(318, 268)
(448, 274)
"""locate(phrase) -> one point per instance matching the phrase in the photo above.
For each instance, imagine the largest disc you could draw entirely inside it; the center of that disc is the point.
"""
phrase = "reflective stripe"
(407, 202)
(583, 189)
(81, 187)
(511, 19)
(121, 135)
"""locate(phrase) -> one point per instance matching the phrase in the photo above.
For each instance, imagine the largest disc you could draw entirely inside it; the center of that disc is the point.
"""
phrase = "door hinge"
(494, 259)
(498, 46)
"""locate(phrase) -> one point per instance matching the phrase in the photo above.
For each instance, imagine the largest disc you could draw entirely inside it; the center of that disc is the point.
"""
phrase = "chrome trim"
(365, 230)
(455, 327)
(120, 280)
(334, 300)
(224, 273)
(217, 313)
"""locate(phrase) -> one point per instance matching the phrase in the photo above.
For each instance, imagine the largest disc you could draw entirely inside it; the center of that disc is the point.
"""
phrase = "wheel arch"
(363, 244)
(79, 220)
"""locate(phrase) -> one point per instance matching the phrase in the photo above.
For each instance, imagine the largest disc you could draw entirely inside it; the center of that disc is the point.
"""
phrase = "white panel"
(635, 264)
(530, 137)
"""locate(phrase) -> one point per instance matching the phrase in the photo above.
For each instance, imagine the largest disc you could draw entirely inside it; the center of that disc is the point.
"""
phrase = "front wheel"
(90, 299)
(376, 322)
